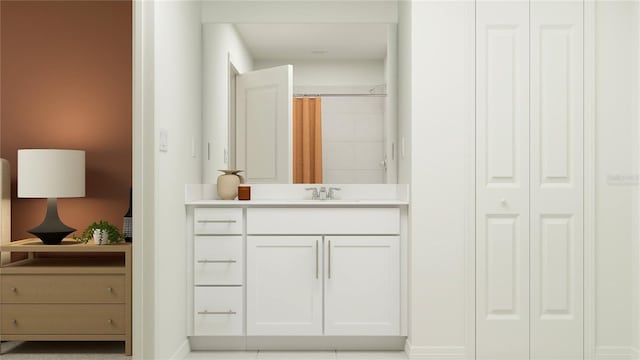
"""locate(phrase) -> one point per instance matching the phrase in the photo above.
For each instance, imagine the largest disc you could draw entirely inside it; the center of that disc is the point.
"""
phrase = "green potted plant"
(102, 233)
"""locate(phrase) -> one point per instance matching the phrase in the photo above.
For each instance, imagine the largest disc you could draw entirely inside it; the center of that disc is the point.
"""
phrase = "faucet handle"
(332, 194)
(314, 194)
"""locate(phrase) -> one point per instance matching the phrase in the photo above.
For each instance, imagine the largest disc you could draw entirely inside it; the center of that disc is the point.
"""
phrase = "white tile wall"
(353, 139)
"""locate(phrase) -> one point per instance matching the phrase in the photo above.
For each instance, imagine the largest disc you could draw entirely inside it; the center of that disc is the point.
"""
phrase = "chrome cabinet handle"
(317, 266)
(216, 261)
(329, 269)
(218, 221)
(230, 312)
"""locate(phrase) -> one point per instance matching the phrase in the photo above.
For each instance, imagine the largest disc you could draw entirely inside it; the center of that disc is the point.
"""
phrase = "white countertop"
(296, 195)
(296, 203)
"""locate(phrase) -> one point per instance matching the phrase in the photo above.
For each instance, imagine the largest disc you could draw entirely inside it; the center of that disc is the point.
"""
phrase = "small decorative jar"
(228, 184)
(100, 237)
(244, 192)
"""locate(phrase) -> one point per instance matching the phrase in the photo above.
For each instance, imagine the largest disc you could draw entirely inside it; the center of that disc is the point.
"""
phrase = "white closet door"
(556, 180)
(502, 183)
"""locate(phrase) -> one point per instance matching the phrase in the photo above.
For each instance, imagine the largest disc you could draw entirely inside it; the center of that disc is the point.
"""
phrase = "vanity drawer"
(341, 221)
(72, 319)
(62, 289)
(218, 311)
(218, 260)
(217, 221)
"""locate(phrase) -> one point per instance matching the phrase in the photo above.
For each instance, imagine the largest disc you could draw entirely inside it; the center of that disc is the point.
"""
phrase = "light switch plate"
(164, 140)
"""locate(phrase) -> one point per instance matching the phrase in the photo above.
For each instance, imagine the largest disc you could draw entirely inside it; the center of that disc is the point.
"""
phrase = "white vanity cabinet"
(320, 284)
(284, 285)
(362, 285)
(218, 271)
(298, 274)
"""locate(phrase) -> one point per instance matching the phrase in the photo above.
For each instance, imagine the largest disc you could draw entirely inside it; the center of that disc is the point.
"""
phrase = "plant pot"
(100, 237)
(228, 184)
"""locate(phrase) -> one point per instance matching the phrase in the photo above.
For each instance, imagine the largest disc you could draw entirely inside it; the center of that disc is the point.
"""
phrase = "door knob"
(503, 201)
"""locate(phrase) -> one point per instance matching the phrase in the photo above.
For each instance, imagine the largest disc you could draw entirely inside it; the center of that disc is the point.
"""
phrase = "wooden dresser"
(85, 295)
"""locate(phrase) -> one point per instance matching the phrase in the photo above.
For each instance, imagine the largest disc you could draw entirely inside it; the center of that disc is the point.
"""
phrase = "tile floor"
(297, 355)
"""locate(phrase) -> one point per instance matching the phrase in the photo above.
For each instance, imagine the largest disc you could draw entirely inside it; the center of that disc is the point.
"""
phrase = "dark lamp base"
(52, 230)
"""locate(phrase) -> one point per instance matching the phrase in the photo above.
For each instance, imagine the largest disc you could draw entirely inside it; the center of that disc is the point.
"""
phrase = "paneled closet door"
(556, 180)
(502, 180)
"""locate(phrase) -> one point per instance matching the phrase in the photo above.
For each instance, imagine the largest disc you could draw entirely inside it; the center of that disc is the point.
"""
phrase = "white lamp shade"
(48, 173)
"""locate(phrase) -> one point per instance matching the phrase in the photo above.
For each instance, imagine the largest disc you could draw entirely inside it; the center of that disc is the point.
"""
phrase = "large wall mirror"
(300, 103)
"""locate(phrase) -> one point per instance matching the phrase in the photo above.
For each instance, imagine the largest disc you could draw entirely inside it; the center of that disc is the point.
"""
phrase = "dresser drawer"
(217, 221)
(62, 319)
(321, 221)
(218, 260)
(65, 289)
(218, 311)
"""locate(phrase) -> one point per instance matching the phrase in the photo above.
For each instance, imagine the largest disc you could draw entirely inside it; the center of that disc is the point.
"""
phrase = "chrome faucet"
(323, 193)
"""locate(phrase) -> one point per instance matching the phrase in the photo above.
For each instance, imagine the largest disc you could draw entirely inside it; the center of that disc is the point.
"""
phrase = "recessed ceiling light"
(319, 52)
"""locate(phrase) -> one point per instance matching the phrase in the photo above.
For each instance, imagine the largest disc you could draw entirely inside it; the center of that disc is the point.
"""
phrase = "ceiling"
(315, 41)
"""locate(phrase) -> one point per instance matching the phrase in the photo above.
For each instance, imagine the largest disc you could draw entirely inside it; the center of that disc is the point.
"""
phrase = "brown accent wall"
(65, 82)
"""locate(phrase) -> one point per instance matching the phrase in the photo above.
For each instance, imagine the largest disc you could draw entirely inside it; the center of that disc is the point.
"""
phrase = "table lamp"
(51, 174)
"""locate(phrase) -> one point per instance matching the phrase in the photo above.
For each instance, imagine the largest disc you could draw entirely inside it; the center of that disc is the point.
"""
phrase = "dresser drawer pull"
(14, 322)
(110, 289)
(216, 261)
(14, 289)
(218, 221)
(110, 321)
(230, 312)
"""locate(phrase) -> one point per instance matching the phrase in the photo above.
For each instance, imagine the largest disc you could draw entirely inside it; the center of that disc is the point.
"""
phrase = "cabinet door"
(502, 180)
(362, 285)
(284, 285)
(556, 180)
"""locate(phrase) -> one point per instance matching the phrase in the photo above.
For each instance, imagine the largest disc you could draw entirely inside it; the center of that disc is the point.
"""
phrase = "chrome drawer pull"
(230, 312)
(218, 221)
(216, 261)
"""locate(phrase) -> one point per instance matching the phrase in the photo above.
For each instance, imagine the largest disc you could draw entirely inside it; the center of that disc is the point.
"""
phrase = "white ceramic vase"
(100, 237)
(228, 184)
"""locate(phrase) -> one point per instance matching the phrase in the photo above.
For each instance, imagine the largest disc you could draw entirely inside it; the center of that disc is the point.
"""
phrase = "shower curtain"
(307, 141)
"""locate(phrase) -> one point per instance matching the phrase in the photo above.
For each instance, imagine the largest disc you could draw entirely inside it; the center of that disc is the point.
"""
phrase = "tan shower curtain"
(307, 141)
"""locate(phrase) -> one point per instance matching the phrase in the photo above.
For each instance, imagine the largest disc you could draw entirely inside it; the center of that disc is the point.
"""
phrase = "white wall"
(221, 44)
(616, 137)
(404, 69)
(442, 113)
(240, 11)
(636, 190)
(177, 79)
(353, 140)
(310, 73)
(636, 285)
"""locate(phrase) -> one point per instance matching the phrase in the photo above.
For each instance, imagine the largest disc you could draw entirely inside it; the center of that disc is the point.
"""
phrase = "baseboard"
(616, 353)
(297, 343)
(182, 351)
(435, 352)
